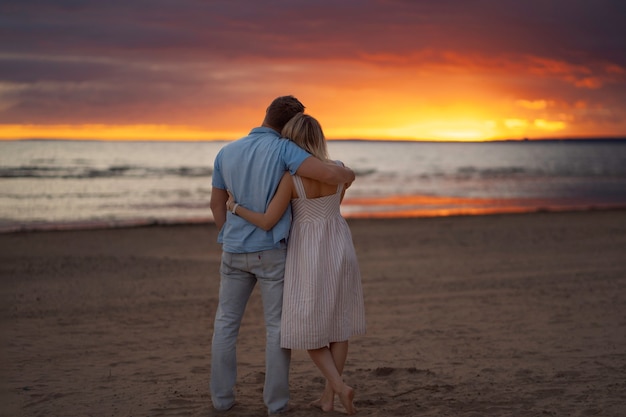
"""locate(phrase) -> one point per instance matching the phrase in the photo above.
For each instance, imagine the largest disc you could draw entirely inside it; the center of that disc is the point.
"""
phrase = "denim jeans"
(239, 274)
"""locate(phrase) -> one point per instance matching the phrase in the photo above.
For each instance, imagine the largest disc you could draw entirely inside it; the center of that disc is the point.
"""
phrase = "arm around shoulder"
(326, 172)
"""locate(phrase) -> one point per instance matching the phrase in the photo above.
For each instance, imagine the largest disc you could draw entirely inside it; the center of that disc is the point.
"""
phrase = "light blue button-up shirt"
(251, 169)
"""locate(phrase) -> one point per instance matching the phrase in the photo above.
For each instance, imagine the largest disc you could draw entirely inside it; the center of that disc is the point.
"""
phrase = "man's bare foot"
(346, 396)
(326, 401)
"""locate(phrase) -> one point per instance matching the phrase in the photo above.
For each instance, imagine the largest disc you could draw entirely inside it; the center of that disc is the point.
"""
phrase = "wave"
(466, 173)
(459, 173)
(9, 227)
(115, 171)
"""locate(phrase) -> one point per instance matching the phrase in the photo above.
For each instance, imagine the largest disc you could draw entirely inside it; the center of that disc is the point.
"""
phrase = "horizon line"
(525, 139)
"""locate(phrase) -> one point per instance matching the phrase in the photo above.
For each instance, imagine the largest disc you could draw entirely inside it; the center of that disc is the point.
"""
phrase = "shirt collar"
(263, 129)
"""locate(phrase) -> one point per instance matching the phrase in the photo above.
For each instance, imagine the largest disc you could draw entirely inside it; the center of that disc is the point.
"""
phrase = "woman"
(323, 298)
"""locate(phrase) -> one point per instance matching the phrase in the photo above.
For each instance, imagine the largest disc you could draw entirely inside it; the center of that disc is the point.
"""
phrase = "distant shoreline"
(207, 221)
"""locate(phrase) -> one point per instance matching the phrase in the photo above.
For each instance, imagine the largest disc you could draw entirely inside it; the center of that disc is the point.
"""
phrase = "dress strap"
(297, 181)
(340, 186)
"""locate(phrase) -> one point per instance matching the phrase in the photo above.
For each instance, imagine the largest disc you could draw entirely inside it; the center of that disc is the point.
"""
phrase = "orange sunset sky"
(386, 69)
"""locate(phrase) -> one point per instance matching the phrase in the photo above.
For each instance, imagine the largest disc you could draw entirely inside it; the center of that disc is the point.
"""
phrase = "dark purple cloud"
(99, 60)
(159, 28)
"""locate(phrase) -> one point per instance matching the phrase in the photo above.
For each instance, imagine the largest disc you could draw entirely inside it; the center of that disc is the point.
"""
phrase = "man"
(251, 168)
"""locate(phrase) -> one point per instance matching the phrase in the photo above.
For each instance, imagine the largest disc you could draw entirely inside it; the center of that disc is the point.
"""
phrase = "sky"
(366, 69)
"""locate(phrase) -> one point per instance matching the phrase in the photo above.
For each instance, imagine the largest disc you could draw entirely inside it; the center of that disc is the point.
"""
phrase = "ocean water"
(72, 184)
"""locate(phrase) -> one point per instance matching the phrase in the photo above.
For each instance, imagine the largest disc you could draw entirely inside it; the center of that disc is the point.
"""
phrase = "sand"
(505, 315)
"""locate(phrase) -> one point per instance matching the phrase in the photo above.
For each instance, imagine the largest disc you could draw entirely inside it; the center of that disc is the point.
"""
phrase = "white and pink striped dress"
(323, 296)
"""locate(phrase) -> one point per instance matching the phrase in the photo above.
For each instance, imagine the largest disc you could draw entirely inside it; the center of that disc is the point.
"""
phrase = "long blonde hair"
(306, 132)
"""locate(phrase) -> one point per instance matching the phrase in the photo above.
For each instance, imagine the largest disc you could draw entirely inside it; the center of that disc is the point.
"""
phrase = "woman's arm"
(275, 209)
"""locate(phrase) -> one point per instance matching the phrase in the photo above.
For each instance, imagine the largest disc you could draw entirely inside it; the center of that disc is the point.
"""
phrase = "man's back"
(251, 168)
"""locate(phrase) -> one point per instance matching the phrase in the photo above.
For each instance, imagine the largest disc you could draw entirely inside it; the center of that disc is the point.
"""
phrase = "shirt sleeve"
(293, 156)
(217, 179)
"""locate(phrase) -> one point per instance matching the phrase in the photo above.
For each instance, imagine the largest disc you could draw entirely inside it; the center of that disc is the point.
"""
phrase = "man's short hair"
(281, 110)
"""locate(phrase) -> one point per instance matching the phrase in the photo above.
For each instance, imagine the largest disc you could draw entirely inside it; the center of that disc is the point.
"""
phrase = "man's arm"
(218, 206)
(326, 172)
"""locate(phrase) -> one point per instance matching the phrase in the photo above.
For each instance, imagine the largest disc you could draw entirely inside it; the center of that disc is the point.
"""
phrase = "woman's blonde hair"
(306, 132)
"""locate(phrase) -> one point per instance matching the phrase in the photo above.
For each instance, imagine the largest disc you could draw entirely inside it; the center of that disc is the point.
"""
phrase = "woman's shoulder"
(315, 189)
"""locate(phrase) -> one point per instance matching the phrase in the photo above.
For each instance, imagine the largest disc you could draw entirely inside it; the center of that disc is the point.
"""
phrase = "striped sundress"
(323, 296)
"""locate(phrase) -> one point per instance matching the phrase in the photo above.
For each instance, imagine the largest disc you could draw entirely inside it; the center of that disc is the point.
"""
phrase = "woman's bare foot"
(346, 396)
(326, 401)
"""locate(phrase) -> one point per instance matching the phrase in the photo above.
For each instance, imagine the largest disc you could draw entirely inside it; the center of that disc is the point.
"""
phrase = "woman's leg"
(324, 360)
(339, 352)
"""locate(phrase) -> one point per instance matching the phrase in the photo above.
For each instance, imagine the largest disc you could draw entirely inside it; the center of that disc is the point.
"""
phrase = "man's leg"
(270, 274)
(236, 285)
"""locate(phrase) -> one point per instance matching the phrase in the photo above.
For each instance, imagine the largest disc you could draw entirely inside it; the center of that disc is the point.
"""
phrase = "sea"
(57, 184)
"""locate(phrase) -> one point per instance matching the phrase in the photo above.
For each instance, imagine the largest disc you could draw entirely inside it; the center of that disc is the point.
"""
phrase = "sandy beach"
(503, 315)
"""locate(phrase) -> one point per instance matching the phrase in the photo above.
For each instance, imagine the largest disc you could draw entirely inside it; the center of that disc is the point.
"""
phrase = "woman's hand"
(230, 203)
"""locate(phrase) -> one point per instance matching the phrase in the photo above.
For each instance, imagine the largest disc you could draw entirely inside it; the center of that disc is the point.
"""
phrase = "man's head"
(280, 111)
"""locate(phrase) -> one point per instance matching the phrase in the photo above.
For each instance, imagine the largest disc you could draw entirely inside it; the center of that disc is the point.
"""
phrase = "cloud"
(215, 63)
(533, 104)
(321, 29)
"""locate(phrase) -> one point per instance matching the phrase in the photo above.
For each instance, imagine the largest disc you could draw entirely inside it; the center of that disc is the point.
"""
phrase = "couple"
(257, 181)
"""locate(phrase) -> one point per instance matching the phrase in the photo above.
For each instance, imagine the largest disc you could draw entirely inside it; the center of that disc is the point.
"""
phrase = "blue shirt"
(251, 169)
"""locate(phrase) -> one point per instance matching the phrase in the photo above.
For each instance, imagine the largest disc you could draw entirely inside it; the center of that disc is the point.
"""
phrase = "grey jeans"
(239, 274)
